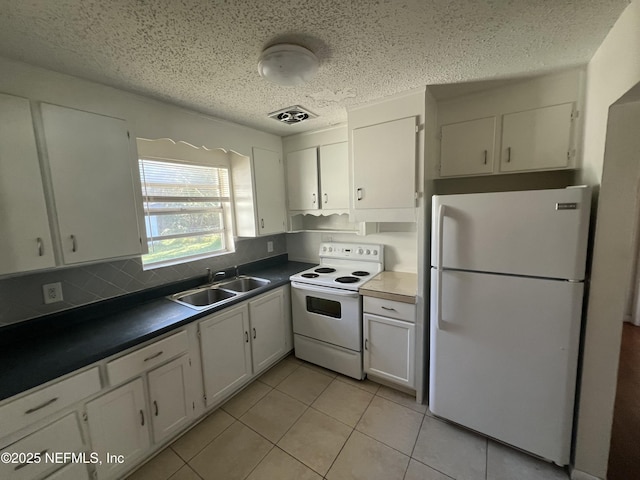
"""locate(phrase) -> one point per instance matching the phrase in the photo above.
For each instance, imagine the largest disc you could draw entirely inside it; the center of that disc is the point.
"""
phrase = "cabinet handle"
(246, 336)
(366, 344)
(155, 355)
(45, 404)
(485, 157)
(388, 308)
(74, 244)
(508, 154)
(254, 333)
(22, 465)
(326, 198)
(314, 198)
(141, 418)
(40, 247)
(359, 194)
(155, 404)
(262, 223)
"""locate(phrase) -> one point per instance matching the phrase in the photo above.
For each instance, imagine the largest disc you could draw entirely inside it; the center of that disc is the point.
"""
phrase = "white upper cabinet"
(538, 139)
(258, 191)
(318, 178)
(467, 148)
(334, 176)
(384, 165)
(92, 184)
(25, 243)
(302, 179)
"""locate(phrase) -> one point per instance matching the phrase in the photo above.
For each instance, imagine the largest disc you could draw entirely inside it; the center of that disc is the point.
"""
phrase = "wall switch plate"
(52, 292)
(269, 246)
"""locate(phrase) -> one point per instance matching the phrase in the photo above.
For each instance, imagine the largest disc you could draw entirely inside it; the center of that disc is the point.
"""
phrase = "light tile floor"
(301, 422)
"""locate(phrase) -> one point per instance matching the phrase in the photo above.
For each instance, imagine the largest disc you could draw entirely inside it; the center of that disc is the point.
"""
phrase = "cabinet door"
(118, 426)
(389, 349)
(467, 148)
(72, 471)
(302, 179)
(267, 329)
(93, 189)
(537, 139)
(171, 408)
(226, 354)
(334, 176)
(384, 165)
(269, 188)
(25, 242)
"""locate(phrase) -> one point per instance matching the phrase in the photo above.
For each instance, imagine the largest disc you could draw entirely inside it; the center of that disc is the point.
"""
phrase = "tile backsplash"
(21, 297)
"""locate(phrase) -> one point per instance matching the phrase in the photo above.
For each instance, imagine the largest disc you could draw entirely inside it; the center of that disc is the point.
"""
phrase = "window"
(187, 209)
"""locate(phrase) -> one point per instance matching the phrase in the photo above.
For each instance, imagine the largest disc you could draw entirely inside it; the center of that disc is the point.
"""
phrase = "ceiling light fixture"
(287, 64)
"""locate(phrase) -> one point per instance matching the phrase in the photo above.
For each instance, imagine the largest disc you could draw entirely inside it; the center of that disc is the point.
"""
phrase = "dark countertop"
(37, 351)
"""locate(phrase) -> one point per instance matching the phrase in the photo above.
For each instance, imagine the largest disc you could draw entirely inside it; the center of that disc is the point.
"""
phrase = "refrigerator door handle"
(439, 257)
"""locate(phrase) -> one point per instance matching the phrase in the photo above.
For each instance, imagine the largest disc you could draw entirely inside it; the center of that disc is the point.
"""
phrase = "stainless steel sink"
(245, 284)
(203, 298)
(212, 295)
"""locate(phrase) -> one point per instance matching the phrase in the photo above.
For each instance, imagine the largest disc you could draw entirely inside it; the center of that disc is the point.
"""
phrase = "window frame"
(182, 153)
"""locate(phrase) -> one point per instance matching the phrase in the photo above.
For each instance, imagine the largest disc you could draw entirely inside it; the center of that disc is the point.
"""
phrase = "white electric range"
(327, 309)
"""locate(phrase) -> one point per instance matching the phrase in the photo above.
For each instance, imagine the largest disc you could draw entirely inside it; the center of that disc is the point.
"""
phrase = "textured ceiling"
(202, 54)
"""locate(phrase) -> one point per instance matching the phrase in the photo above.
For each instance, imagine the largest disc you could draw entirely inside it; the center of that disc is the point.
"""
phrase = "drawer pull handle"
(40, 247)
(155, 355)
(74, 244)
(366, 344)
(25, 464)
(485, 157)
(254, 333)
(155, 404)
(45, 404)
(246, 335)
(141, 418)
(388, 308)
(326, 198)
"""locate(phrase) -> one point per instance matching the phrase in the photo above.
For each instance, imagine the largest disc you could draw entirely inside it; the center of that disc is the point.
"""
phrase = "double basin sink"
(210, 296)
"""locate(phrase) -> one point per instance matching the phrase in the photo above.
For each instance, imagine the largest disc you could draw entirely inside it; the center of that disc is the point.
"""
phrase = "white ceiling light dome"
(287, 64)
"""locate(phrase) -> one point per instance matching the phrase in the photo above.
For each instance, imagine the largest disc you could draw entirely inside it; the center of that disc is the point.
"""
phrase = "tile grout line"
(209, 442)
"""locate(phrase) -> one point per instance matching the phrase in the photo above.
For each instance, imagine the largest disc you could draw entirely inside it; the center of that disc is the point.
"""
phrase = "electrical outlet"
(269, 247)
(52, 292)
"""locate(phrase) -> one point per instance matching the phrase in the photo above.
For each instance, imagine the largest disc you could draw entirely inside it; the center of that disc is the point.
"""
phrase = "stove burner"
(360, 273)
(310, 275)
(347, 279)
(325, 270)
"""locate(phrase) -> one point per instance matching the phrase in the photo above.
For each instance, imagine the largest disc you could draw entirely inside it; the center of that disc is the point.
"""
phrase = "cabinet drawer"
(72, 471)
(61, 436)
(146, 358)
(390, 308)
(42, 403)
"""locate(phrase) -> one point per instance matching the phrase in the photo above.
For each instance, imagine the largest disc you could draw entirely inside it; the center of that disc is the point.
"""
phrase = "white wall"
(147, 118)
(614, 69)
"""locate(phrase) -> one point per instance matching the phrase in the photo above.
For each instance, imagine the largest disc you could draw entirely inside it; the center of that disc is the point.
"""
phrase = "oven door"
(327, 314)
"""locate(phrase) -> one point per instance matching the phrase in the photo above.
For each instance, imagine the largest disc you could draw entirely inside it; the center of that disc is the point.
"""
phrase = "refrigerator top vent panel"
(537, 233)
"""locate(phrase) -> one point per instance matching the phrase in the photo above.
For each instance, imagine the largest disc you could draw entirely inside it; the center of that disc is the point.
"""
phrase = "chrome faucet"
(215, 277)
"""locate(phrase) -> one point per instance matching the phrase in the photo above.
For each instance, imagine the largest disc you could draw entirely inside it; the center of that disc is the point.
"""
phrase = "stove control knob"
(375, 252)
(360, 251)
(324, 249)
(330, 249)
(368, 252)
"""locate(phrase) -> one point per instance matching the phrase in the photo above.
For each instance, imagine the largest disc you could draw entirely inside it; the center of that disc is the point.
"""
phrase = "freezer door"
(539, 233)
(504, 354)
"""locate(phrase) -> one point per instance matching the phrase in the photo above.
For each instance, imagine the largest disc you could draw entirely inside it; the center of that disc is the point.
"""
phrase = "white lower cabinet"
(118, 425)
(241, 342)
(171, 407)
(268, 323)
(226, 352)
(389, 343)
(33, 456)
(72, 471)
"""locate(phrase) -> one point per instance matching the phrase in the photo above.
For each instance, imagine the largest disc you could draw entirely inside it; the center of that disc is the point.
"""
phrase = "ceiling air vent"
(292, 115)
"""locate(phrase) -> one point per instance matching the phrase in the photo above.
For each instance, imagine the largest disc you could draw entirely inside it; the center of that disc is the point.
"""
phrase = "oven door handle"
(329, 291)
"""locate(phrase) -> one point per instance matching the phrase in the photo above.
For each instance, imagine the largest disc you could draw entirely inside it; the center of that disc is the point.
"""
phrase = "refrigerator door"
(541, 233)
(504, 354)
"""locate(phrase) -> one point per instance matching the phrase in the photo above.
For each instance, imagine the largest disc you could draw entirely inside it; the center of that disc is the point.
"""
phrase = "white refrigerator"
(507, 284)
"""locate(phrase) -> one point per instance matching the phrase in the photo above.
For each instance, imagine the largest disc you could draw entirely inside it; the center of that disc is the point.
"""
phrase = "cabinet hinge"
(198, 333)
(189, 361)
(128, 134)
(417, 128)
(205, 398)
(569, 155)
(194, 405)
(85, 417)
(575, 114)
